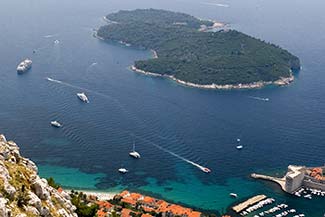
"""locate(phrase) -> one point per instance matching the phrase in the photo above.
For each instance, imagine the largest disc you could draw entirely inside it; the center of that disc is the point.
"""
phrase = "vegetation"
(52, 183)
(201, 57)
(84, 208)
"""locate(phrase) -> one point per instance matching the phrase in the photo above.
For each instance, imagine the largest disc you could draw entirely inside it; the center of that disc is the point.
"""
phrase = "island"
(198, 53)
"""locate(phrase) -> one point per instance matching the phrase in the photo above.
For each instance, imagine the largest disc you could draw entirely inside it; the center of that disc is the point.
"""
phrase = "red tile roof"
(125, 212)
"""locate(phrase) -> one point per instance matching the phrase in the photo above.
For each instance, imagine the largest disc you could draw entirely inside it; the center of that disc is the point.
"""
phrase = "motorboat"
(233, 195)
(82, 96)
(123, 170)
(239, 147)
(205, 169)
(56, 124)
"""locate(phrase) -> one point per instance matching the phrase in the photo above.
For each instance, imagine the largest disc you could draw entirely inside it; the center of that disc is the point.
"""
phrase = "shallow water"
(199, 125)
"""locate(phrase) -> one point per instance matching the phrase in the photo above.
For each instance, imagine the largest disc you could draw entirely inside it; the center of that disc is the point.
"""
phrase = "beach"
(101, 195)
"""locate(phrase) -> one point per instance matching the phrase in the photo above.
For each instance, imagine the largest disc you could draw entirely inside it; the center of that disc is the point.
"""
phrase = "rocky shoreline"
(255, 85)
(23, 193)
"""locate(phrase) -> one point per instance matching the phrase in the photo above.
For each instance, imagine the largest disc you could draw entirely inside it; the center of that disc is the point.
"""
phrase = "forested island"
(187, 51)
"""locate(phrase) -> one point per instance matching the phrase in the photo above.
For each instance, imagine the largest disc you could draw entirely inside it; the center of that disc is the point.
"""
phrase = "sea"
(172, 126)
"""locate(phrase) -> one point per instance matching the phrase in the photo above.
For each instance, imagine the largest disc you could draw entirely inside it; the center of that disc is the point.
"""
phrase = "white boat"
(233, 195)
(123, 170)
(205, 169)
(133, 153)
(56, 42)
(239, 147)
(24, 66)
(83, 97)
(56, 124)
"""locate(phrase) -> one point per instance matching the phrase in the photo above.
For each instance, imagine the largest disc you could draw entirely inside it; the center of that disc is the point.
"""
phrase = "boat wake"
(78, 87)
(90, 66)
(204, 169)
(50, 36)
(216, 4)
(259, 98)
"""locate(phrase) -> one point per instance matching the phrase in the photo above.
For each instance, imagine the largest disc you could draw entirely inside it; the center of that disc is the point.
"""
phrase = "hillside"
(200, 57)
(23, 193)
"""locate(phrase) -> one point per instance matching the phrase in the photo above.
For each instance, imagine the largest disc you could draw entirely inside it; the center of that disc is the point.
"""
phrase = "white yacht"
(239, 147)
(83, 97)
(123, 170)
(24, 66)
(56, 124)
(133, 153)
(233, 195)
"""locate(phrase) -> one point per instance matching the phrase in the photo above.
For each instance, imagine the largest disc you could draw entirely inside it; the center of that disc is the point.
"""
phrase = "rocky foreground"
(23, 193)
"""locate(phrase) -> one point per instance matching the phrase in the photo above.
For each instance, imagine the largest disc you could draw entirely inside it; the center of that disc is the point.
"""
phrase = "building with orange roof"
(148, 200)
(148, 209)
(195, 214)
(146, 215)
(129, 200)
(60, 190)
(150, 205)
(102, 213)
(136, 196)
(124, 194)
(126, 212)
(104, 204)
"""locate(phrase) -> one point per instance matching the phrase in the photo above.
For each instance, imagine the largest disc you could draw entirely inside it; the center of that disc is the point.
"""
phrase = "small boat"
(123, 170)
(56, 124)
(205, 169)
(83, 97)
(239, 147)
(56, 42)
(133, 153)
(24, 66)
(233, 195)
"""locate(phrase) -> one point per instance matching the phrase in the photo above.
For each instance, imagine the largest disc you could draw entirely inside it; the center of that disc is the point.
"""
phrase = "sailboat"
(239, 147)
(133, 153)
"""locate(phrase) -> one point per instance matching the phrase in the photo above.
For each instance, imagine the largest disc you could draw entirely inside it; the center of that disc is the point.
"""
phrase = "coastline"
(255, 85)
(101, 195)
(282, 81)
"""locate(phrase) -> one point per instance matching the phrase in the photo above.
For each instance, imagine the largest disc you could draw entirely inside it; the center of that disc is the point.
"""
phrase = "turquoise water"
(71, 177)
(164, 119)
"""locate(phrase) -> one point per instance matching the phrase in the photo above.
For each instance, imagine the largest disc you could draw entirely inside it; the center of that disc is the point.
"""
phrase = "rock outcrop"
(23, 193)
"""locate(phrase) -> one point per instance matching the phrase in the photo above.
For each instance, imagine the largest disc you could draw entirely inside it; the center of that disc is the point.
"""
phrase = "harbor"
(261, 205)
(299, 177)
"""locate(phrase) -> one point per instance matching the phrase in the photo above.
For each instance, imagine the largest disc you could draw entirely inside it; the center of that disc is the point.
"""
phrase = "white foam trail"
(259, 98)
(78, 87)
(50, 36)
(56, 81)
(216, 4)
(178, 156)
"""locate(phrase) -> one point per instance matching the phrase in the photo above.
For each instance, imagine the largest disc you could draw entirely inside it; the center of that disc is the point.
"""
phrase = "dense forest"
(201, 57)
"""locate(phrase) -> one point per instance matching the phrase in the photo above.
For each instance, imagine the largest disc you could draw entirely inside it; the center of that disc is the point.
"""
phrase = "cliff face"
(22, 192)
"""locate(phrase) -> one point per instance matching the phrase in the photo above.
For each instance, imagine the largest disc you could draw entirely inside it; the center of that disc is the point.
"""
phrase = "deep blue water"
(199, 125)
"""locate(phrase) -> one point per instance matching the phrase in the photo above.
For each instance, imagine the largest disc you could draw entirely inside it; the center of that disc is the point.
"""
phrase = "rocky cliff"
(22, 192)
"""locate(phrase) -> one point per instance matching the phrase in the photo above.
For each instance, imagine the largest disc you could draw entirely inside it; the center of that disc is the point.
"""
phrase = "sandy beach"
(101, 195)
